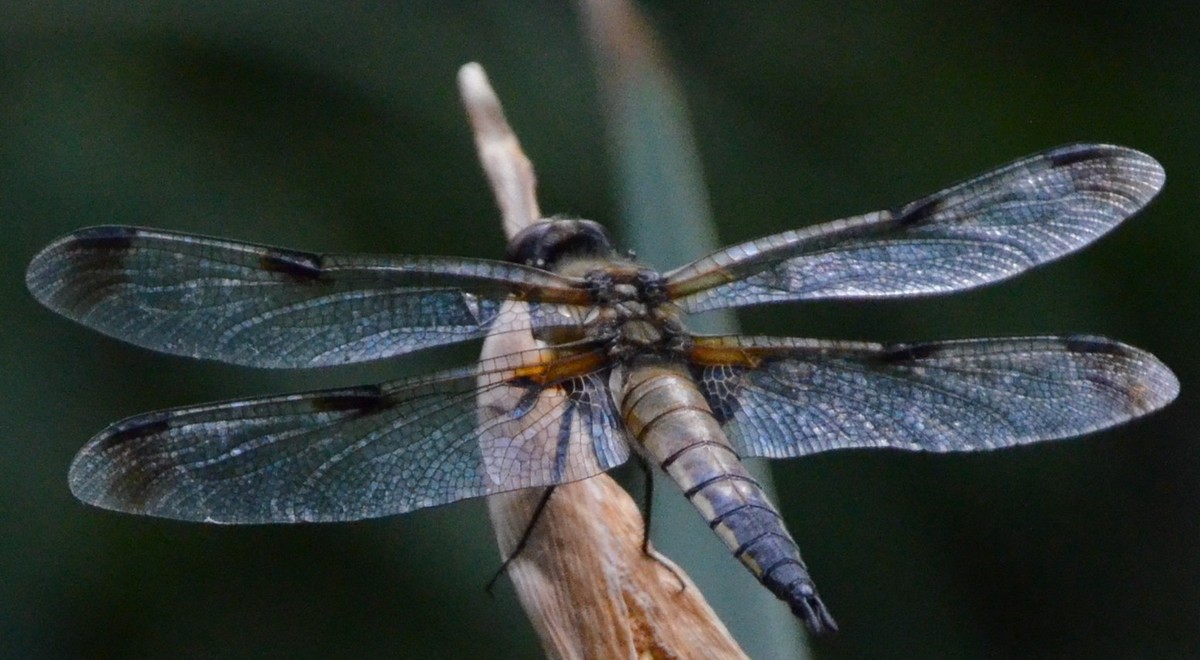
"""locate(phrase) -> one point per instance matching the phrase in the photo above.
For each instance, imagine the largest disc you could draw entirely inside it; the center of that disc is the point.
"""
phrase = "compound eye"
(547, 243)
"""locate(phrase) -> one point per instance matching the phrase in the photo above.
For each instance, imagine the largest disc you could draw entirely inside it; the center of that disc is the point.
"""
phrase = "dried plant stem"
(583, 579)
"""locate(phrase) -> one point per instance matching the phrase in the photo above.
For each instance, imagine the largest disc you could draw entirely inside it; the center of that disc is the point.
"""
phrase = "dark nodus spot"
(361, 400)
(902, 353)
(299, 266)
(919, 211)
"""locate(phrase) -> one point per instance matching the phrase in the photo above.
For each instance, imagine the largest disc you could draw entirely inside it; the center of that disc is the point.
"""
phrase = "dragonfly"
(612, 372)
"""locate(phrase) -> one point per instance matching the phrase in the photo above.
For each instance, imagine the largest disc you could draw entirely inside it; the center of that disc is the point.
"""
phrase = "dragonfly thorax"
(630, 310)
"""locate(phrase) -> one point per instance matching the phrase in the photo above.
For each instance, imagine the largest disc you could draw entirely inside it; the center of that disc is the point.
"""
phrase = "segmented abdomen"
(672, 425)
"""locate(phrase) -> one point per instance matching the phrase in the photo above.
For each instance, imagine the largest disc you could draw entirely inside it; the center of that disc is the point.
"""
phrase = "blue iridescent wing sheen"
(982, 230)
(263, 306)
(358, 452)
(781, 397)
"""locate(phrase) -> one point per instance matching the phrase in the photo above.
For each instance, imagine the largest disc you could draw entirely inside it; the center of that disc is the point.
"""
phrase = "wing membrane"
(354, 453)
(260, 306)
(979, 231)
(790, 397)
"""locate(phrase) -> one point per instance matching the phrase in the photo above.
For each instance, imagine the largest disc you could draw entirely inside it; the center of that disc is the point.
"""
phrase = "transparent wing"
(269, 307)
(983, 230)
(790, 397)
(360, 452)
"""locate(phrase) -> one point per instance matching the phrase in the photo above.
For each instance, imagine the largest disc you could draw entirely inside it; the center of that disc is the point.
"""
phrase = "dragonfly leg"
(647, 508)
(525, 536)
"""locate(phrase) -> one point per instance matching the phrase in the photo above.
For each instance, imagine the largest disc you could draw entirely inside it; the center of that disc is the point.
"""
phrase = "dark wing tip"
(51, 271)
(92, 482)
(103, 234)
(96, 479)
(106, 236)
(1156, 387)
(1147, 384)
(122, 467)
(1141, 173)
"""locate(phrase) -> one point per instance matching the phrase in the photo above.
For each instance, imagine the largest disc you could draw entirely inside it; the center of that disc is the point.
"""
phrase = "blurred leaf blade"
(666, 218)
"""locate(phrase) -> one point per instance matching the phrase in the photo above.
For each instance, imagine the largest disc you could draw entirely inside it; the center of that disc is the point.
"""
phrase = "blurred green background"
(337, 127)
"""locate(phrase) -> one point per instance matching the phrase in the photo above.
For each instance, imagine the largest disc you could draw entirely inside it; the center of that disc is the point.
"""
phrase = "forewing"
(360, 452)
(979, 231)
(261, 306)
(791, 397)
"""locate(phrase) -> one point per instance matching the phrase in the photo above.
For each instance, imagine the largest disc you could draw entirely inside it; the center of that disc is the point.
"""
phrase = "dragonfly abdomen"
(672, 424)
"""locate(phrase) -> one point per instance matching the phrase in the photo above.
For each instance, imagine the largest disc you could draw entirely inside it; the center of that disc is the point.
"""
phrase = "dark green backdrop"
(335, 126)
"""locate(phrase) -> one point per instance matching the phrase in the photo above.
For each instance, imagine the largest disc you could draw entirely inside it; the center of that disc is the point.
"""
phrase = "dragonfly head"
(547, 243)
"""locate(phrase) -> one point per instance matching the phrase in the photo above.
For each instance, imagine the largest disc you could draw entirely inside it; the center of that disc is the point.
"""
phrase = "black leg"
(533, 521)
(647, 502)
(647, 508)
